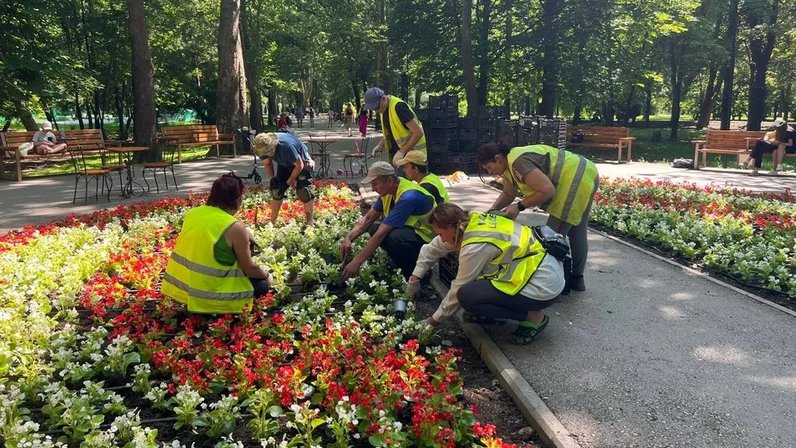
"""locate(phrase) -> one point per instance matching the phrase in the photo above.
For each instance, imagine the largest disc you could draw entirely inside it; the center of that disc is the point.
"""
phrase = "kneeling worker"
(504, 270)
(211, 268)
(293, 169)
(415, 165)
(405, 207)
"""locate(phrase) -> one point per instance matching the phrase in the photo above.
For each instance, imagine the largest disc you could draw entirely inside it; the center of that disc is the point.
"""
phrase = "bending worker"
(405, 228)
(211, 268)
(401, 129)
(560, 182)
(293, 169)
(504, 271)
(415, 165)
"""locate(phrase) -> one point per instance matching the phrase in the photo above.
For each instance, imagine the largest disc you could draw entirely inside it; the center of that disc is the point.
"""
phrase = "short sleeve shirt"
(288, 150)
(412, 203)
(404, 114)
(529, 162)
(43, 136)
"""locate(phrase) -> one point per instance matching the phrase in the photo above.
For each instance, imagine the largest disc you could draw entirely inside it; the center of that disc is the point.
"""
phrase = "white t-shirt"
(545, 284)
(43, 136)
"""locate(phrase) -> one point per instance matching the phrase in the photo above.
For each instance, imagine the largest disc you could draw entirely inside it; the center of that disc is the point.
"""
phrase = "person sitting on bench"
(44, 141)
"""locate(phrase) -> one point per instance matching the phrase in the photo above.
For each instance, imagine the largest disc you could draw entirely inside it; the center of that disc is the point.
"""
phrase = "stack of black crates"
(441, 127)
(547, 131)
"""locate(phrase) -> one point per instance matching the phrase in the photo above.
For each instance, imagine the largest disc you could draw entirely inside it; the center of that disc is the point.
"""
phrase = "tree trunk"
(24, 115)
(144, 115)
(706, 105)
(647, 102)
(231, 98)
(256, 105)
(549, 37)
(729, 69)
(79, 112)
(484, 61)
(676, 86)
(760, 48)
(467, 59)
(786, 101)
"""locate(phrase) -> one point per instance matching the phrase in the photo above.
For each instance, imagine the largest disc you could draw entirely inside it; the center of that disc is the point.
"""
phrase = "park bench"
(90, 141)
(602, 137)
(197, 135)
(738, 143)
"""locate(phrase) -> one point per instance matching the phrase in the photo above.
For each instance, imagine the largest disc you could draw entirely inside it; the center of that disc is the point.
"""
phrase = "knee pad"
(277, 190)
(304, 194)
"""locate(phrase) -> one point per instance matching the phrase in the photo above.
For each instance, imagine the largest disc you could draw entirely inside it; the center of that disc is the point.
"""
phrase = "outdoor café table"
(126, 154)
(324, 170)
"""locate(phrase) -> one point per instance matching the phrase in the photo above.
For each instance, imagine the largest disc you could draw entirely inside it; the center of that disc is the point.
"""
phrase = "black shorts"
(283, 174)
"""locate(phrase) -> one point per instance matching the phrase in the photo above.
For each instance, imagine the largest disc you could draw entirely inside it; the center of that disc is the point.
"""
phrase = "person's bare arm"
(268, 166)
(506, 196)
(543, 190)
(416, 132)
(298, 166)
(359, 228)
(238, 239)
(352, 268)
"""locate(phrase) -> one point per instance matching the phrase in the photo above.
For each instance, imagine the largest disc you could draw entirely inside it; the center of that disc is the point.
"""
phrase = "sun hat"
(380, 168)
(413, 156)
(779, 122)
(265, 144)
(46, 125)
(372, 97)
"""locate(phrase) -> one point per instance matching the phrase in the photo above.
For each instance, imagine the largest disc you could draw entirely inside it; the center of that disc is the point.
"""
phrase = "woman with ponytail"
(558, 181)
(504, 271)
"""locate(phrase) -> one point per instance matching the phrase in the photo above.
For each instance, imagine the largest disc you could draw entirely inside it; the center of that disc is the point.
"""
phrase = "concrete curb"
(696, 272)
(535, 411)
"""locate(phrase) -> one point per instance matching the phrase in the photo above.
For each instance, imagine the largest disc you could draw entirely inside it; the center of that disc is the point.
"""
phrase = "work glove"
(398, 156)
(311, 164)
(413, 288)
(377, 150)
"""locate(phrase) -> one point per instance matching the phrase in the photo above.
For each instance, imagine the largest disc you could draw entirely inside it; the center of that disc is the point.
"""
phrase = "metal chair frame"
(82, 170)
(166, 162)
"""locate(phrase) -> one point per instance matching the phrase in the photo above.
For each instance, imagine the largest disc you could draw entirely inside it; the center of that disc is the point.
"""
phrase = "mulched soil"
(480, 386)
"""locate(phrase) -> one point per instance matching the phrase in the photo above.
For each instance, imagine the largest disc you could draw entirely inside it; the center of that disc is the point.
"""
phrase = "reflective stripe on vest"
(418, 222)
(194, 277)
(399, 131)
(434, 180)
(575, 179)
(520, 253)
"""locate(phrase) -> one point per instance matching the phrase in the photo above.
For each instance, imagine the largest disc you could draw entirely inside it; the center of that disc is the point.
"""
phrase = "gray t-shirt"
(43, 136)
(529, 162)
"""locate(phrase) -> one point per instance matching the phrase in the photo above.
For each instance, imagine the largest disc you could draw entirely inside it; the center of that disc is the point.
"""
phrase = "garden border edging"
(696, 272)
(535, 411)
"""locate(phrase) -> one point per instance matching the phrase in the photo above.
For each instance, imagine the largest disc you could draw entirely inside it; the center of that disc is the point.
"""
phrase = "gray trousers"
(578, 242)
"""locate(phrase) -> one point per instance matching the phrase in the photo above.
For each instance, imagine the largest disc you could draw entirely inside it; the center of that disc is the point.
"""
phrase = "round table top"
(322, 139)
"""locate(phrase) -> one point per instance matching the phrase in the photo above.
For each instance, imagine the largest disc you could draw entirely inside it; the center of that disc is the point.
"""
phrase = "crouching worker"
(293, 169)
(504, 270)
(405, 229)
(211, 268)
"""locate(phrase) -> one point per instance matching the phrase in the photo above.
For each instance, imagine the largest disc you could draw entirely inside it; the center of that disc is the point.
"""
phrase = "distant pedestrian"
(330, 116)
(311, 113)
(300, 116)
(348, 112)
(363, 122)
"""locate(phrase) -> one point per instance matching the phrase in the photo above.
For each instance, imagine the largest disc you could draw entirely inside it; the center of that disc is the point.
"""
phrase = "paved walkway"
(649, 355)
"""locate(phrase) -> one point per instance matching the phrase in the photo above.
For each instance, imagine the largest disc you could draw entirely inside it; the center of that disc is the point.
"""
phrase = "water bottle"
(399, 308)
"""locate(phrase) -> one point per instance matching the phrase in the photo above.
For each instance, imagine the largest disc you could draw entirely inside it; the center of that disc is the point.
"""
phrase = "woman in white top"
(44, 141)
(479, 286)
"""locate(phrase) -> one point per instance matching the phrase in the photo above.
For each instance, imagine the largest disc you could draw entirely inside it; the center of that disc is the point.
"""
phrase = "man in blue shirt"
(293, 169)
(405, 228)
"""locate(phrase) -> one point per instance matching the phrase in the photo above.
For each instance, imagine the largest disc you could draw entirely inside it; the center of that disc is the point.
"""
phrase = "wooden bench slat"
(602, 137)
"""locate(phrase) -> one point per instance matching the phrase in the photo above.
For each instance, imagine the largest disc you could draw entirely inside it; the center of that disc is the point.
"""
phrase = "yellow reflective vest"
(194, 277)
(399, 131)
(574, 178)
(434, 180)
(418, 222)
(520, 253)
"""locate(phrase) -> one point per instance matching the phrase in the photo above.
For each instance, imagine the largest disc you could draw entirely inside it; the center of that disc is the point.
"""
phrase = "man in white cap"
(405, 228)
(293, 169)
(415, 165)
(45, 142)
(402, 131)
(777, 141)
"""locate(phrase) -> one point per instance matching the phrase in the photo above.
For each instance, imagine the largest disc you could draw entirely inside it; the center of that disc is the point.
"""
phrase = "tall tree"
(761, 18)
(467, 58)
(549, 43)
(731, 41)
(145, 118)
(232, 101)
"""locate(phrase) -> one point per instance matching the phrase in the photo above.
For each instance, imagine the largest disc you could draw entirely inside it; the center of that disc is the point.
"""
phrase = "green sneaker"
(527, 331)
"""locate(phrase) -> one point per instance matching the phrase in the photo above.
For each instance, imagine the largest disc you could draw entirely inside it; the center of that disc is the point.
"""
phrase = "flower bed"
(106, 360)
(750, 237)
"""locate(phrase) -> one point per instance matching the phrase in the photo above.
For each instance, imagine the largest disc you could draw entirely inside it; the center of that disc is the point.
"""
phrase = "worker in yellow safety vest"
(405, 207)
(416, 169)
(560, 182)
(504, 270)
(211, 269)
(401, 129)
